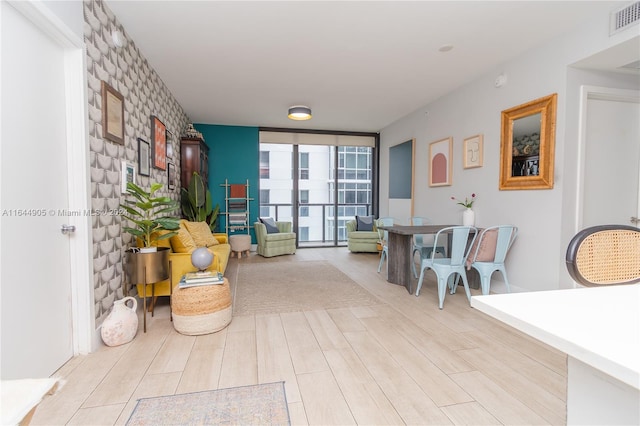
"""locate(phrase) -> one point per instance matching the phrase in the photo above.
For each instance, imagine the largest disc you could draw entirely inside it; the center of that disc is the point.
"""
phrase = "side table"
(202, 309)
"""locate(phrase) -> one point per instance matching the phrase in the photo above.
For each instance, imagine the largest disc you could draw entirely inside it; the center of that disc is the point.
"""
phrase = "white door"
(34, 256)
(612, 159)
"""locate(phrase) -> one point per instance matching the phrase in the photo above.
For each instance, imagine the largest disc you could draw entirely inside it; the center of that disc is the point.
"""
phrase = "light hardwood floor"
(403, 361)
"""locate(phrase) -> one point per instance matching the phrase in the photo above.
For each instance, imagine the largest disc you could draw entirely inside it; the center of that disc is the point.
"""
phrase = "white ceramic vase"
(468, 217)
(121, 325)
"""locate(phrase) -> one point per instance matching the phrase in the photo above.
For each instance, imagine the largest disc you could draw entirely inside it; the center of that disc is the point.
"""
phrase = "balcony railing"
(320, 216)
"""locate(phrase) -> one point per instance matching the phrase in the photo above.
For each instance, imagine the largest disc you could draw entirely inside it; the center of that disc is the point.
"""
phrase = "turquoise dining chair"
(448, 266)
(489, 253)
(423, 244)
(384, 240)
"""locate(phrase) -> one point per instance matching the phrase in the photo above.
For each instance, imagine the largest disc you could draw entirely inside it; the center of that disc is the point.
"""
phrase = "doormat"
(258, 404)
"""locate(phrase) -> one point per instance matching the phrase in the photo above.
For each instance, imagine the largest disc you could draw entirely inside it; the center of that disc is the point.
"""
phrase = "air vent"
(622, 18)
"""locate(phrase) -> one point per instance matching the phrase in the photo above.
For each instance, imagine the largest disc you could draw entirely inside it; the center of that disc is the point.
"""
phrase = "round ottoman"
(240, 244)
(201, 310)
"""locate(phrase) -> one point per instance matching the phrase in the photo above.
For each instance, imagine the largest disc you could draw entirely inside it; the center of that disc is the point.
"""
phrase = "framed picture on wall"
(171, 175)
(128, 175)
(472, 154)
(112, 114)
(144, 157)
(169, 144)
(440, 155)
(158, 143)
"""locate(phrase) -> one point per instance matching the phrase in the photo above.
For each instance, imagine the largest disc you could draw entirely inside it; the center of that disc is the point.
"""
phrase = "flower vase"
(121, 325)
(468, 217)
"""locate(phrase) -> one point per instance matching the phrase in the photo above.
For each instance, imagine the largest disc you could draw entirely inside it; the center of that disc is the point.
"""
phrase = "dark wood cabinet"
(194, 157)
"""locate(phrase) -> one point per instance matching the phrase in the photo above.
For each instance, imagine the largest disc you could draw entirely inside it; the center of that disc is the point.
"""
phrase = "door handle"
(67, 229)
(634, 220)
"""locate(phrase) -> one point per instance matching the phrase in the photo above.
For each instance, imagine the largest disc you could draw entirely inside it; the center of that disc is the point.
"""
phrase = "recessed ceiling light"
(299, 112)
(446, 48)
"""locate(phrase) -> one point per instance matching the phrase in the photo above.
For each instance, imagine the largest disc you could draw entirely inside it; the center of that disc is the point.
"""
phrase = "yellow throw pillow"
(201, 234)
(183, 242)
(161, 243)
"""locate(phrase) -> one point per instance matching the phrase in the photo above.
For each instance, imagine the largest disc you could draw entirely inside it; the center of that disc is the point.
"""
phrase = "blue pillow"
(364, 223)
(270, 224)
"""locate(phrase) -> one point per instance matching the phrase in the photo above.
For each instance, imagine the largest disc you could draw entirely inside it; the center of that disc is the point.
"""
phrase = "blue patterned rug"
(264, 404)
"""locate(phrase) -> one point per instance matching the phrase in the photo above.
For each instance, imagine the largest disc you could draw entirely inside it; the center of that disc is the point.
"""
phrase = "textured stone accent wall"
(127, 71)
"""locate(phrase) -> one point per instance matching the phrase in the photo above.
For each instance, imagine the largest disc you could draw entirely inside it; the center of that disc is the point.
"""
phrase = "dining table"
(400, 250)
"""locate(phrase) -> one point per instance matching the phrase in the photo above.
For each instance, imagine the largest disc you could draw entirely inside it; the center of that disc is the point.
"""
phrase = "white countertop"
(599, 326)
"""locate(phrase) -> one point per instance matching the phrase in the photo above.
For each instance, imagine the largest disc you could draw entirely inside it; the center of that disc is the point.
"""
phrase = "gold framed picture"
(440, 155)
(472, 155)
(112, 114)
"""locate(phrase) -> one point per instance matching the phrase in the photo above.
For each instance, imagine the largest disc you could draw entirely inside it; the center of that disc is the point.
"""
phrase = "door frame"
(85, 337)
(586, 93)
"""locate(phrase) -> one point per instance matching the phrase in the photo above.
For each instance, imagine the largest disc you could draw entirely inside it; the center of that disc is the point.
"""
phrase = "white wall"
(69, 12)
(537, 258)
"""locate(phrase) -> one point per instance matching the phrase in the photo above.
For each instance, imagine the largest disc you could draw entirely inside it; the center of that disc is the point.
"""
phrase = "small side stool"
(201, 309)
(240, 244)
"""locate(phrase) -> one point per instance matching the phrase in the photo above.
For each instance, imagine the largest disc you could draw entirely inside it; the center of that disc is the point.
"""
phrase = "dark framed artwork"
(144, 157)
(158, 143)
(112, 114)
(169, 144)
(171, 175)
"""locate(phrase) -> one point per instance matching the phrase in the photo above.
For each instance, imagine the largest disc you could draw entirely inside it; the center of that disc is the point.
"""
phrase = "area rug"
(264, 404)
(277, 287)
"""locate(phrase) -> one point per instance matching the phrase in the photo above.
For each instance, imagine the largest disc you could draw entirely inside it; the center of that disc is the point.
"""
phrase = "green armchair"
(362, 241)
(275, 244)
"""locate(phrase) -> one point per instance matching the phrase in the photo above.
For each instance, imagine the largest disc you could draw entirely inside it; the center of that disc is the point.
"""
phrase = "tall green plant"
(144, 211)
(196, 203)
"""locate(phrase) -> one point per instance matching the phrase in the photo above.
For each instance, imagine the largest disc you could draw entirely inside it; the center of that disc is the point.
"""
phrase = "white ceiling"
(358, 65)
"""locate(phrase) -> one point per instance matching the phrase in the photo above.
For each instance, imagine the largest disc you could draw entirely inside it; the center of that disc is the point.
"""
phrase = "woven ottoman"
(201, 310)
(240, 244)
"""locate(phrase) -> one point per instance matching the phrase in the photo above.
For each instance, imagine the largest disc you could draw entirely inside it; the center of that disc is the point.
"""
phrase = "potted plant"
(149, 264)
(144, 211)
(196, 203)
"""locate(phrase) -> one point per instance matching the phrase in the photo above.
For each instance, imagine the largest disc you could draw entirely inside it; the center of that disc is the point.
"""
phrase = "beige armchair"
(275, 244)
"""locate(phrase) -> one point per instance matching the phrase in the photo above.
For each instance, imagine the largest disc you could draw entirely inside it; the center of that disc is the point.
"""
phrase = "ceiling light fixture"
(299, 112)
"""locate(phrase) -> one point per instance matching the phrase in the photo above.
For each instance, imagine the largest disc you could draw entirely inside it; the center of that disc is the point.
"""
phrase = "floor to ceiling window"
(354, 184)
(317, 182)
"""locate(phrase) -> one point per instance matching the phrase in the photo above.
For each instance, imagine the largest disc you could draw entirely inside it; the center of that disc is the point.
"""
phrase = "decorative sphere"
(201, 258)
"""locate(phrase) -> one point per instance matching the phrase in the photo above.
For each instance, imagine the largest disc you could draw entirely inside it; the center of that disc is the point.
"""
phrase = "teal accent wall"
(234, 154)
